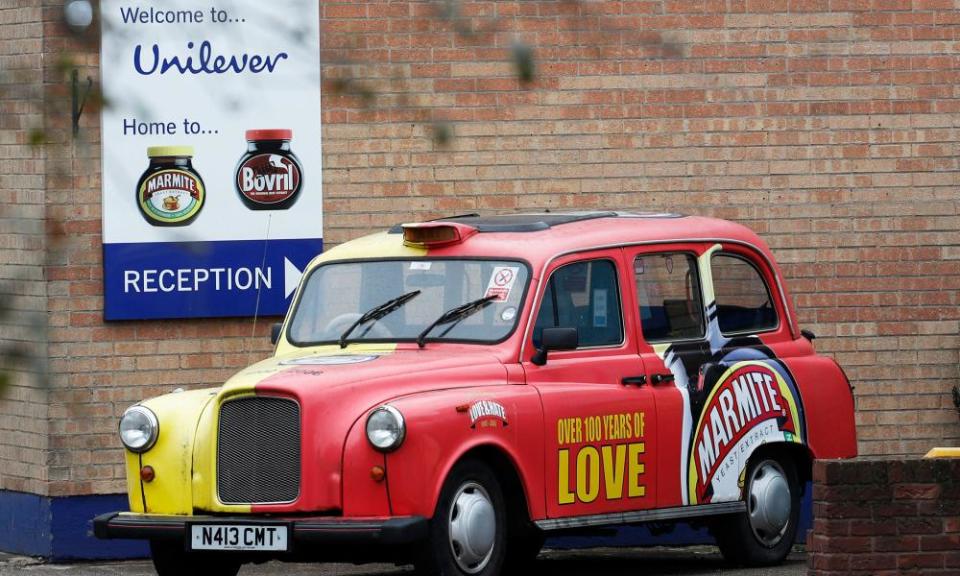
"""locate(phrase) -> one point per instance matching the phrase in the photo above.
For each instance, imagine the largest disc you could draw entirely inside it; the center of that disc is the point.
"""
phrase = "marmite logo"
(751, 405)
(268, 178)
(171, 196)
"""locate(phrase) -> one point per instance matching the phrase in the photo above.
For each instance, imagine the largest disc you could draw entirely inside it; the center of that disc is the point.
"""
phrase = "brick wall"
(885, 517)
(23, 404)
(829, 126)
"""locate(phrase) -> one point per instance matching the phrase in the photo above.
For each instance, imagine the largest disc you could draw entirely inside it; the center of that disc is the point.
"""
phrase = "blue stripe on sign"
(203, 279)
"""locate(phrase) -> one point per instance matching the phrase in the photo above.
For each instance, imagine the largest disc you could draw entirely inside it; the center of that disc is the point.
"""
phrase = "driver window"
(668, 295)
(585, 296)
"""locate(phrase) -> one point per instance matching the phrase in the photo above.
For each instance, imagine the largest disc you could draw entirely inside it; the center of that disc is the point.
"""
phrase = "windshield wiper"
(377, 313)
(455, 315)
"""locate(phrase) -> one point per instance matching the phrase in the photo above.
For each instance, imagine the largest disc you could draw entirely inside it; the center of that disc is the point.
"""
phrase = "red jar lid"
(270, 134)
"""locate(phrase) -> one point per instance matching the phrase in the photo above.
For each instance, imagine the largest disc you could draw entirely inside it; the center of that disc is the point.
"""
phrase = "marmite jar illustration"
(269, 176)
(170, 192)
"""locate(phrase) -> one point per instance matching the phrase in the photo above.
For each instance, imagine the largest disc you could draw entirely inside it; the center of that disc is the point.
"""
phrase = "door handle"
(661, 378)
(638, 380)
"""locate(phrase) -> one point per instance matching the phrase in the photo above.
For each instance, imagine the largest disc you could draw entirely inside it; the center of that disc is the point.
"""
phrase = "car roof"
(539, 237)
(535, 221)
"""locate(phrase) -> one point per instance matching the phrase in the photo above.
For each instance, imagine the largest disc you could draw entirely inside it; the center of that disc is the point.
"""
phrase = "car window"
(585, 296)
(743, 299)
(668, 296)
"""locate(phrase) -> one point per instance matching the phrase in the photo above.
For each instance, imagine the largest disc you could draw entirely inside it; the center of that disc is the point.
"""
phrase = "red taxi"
(451, 392)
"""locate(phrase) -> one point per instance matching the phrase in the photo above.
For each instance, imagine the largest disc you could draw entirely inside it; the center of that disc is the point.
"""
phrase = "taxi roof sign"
(436, 234)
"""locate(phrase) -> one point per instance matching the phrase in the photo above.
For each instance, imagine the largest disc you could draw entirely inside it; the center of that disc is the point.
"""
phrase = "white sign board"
(211, 155)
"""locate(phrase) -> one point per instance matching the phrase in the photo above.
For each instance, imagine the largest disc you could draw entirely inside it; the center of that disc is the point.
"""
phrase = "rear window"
(743, 298)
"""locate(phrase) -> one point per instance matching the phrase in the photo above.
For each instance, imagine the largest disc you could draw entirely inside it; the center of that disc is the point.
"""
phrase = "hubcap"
(768, 503)
(473, 527)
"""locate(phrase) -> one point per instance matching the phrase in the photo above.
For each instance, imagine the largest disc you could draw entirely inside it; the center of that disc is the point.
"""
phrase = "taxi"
(449, 393)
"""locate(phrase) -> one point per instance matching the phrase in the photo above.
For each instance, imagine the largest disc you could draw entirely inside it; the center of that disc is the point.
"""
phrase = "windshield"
(338, 294)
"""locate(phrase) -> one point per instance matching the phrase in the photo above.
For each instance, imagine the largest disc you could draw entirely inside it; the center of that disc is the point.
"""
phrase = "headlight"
(386, 429)
(139, 429)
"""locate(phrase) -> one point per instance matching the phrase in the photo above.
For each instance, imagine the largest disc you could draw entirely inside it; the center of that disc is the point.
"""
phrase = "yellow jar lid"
(157, 151)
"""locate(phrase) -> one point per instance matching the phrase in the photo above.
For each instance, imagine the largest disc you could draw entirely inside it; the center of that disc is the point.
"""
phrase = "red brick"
(940, 542)
(916, 491)
(923, 561)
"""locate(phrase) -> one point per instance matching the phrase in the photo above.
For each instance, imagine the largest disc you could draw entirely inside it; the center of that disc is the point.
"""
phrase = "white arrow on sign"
(291, 278)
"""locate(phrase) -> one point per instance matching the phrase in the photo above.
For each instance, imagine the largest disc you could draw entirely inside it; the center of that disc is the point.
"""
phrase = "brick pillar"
(885, 517)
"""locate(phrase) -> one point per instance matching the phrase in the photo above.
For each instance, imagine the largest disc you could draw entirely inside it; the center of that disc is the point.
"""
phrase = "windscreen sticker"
(508, 314)
(418, 265)
(501, 282)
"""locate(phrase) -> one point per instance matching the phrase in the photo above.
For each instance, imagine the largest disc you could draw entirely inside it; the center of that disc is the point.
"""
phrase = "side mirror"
(555, 339)
(275, 332)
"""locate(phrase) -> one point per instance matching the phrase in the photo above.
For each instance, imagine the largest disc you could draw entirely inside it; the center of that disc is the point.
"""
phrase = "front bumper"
(393, 531)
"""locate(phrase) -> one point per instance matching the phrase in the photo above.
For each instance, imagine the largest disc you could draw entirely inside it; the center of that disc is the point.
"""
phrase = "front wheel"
(170, 559)
(765, 533)
(468, 529)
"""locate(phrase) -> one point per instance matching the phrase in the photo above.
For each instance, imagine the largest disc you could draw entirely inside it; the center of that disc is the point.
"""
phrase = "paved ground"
(694, 561)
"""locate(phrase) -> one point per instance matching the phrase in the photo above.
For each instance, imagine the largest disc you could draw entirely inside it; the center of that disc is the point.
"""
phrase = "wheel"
(764, 534)
(468, 528)
(170, 559)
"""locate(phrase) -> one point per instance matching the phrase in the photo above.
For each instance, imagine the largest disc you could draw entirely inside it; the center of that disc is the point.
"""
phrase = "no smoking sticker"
(501, 282)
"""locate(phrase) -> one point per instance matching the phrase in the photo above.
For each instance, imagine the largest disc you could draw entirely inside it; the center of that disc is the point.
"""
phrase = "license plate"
(237, 537)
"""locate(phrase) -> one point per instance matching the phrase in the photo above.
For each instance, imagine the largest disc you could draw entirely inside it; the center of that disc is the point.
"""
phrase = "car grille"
(258, 451)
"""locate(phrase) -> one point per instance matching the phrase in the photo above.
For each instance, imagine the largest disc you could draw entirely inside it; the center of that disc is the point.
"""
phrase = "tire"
(468, 530)
(765, 533)
(170, 559)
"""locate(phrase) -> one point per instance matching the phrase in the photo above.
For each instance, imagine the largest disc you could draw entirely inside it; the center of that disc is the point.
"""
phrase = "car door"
(600, 419)
(710, 334)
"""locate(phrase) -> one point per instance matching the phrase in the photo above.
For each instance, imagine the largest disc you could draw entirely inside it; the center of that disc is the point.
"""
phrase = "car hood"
(370, 374)
(336, 389)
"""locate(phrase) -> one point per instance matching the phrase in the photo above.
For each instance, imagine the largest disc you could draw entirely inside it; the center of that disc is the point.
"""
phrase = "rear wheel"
(170, 559)
(764, 534)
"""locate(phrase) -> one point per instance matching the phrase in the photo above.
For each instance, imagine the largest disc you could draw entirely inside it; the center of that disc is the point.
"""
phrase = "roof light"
(436, 233)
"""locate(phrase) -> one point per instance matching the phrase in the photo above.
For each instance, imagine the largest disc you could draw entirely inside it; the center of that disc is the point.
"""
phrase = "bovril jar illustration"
(170, 192)
(269, 176)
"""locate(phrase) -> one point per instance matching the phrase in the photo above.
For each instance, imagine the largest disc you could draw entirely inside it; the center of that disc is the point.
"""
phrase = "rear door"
(710, 334)
(600, 419)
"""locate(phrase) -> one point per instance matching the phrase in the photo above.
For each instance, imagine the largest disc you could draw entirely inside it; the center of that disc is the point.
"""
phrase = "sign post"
(211, 138)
